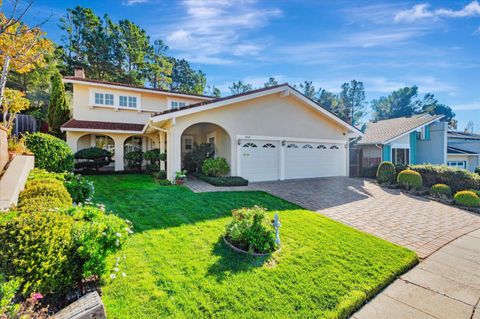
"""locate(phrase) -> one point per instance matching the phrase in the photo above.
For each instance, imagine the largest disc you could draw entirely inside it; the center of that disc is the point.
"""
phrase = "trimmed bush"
(386, 173)
(164, 182)
(251, 230)
(51, 153)
(409, 179)
(152, 168)
(477, 170)
(39, 173)
(441, 190)
(457, 179)
(215, 167)
(93, 158)
(42, 204)
(154, 156)
(134, 159)
(46, 188)
(79, 188)
(193, 160)
(467, 198)
(160, 175)
(38, 249)
(223, 180)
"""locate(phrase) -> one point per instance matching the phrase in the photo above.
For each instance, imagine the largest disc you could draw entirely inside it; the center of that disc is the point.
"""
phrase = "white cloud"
(423, 11)
(467, 106)
(133, 2)
(213, 29)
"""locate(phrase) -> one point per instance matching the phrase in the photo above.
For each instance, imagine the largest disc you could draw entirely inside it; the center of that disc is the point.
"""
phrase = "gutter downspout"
(379, 146)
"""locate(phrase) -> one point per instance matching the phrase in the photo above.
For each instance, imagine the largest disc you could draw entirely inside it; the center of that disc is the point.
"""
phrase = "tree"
(21, 49)
(159, 69)
(399, 103)
(352, 99)
(470, 127)
(430, 105)
(58, 110)
(240, 87)
(308, 89)
(212, 90)
(13, 102)
(271, 82)
(185, 79)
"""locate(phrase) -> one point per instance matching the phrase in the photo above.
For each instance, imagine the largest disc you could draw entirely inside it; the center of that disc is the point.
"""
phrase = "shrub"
(8, 290)
(51, 153)
(369, 172)
(250, 230)
(41, 204)
(79, 188)
(457, 179)
(193, 160)
(154, 156)
(96, 235)
(152, 168)
(38, 173)
(386, 173)
(38, 249)
(410, 179)
(164, 182)
(215, 167)
(134, 159)
(46, 188)
(477, 170)
(160, 175)
(94, 158)
(441, 190)
(467, 198)
(223, 180)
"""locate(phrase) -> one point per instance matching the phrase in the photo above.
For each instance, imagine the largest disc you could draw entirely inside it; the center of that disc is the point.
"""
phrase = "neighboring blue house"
(415, 139)
(463, 150)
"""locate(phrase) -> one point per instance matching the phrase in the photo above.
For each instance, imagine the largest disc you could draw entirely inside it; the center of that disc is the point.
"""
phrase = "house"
(412, 139)
(272, 133)
(463, 150)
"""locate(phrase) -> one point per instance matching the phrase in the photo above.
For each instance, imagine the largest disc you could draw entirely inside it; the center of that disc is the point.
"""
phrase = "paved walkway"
(446, 285)
(413, 222)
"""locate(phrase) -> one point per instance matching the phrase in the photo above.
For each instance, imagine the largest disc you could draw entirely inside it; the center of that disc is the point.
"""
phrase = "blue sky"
(387, 45)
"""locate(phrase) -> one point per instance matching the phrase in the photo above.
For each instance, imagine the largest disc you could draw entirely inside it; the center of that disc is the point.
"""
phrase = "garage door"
(259, 160)
(307, 160)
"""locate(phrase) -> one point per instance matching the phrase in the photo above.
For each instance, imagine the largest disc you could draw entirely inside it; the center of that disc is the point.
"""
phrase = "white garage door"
(259, 160)
(307, 160)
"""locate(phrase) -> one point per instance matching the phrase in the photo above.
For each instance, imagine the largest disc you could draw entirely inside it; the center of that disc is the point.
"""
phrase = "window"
(177, 104)
(321, 147)
(457, 164)
(292, 146)
(123, 101)
(132, 102)
(187, 143)
(108, 99)
(269, 145)
(99, 98)
(307, 146)
(334, 147)
(249, 145)
(401, 155)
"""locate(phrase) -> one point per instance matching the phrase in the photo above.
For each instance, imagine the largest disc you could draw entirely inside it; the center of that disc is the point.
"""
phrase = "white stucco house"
(273, 133)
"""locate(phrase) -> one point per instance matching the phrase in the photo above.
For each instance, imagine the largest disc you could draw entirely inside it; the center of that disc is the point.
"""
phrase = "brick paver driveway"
(413, 222)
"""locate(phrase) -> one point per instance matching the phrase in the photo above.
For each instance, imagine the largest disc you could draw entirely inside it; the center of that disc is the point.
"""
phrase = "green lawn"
(177, 266)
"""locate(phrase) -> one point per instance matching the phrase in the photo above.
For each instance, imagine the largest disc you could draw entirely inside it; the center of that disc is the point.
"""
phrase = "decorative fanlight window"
(334, 147)
(292, 146)
(321, 147)
(249, 145)
(269, 145)
(307, 146)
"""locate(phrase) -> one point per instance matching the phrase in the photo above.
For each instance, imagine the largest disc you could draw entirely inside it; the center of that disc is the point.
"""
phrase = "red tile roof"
(132, 86)
(219, 99)
(97, 125)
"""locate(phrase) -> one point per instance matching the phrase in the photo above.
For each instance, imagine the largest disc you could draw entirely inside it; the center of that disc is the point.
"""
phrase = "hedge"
(223, 180)
(441, 190)
(51, 153)
(457, 179)
(409, 179)
(467, 198)
(386, 173)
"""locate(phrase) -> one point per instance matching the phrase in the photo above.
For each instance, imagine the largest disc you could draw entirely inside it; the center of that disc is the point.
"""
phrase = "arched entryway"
(101, 141)
(214, 134)
(138, 143)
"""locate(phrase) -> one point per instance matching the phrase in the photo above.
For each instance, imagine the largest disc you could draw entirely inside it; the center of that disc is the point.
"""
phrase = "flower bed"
(223, 180)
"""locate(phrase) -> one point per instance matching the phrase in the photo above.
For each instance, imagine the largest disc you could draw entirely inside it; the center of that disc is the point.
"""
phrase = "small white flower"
(117, 242)
(113, 276)
(104, 233)
(124, 257)
(118, 235)
(115, 269)
(124, 274)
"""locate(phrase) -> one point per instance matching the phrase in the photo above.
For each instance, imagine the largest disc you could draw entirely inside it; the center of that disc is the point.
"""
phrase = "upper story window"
(115, 100)
(123, 101)
(132, 102)
(177, 104)
(108, 99)
(99, 98)
(103, 99)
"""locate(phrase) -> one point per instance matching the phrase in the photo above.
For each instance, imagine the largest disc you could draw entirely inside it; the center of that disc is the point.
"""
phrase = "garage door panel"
(259, 160)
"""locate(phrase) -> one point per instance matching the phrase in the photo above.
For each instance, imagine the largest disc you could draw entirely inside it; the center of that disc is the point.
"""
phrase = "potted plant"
(180, 177)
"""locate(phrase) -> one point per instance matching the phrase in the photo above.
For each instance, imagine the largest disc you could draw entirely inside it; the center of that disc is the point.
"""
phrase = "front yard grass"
(177, 265)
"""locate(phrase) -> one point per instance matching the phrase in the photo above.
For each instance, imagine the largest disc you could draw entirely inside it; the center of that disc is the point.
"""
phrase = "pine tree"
(58, 110)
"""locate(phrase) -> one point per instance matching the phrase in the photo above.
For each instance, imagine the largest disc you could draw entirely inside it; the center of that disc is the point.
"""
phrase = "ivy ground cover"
(177, 266)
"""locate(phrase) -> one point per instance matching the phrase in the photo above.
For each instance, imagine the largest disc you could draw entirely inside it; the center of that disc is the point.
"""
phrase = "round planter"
(246, 252)
(179, 182)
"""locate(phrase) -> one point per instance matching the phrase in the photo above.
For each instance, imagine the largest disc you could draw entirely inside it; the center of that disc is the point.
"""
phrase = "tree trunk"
(3, 81)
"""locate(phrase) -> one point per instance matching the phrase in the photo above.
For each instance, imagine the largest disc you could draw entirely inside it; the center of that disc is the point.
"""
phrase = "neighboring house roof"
(77, 125)
(383, 132)
(224, 101)
(463, 135)
(73, 79)
(456, 150)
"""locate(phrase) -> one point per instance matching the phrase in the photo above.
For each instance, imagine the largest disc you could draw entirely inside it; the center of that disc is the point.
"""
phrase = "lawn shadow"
(232, 262)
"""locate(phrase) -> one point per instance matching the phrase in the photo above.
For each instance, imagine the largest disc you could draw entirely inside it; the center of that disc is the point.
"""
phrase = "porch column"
(72, 140)
(119, 160)
(174, 154)
(162, 148)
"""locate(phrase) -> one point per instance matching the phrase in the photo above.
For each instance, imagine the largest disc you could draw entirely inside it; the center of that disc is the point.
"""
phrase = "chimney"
(79, 72)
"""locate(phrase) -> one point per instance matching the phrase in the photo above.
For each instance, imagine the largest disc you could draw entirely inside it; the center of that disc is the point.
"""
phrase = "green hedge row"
(457, 179)
(223, 180)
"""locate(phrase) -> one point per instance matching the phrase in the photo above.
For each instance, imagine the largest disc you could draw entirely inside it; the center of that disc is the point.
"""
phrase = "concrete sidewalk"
(446, 285)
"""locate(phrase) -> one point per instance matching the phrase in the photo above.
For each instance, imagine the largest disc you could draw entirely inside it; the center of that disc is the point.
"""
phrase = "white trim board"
(66, 129)
(284, 89)
(291, 139)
